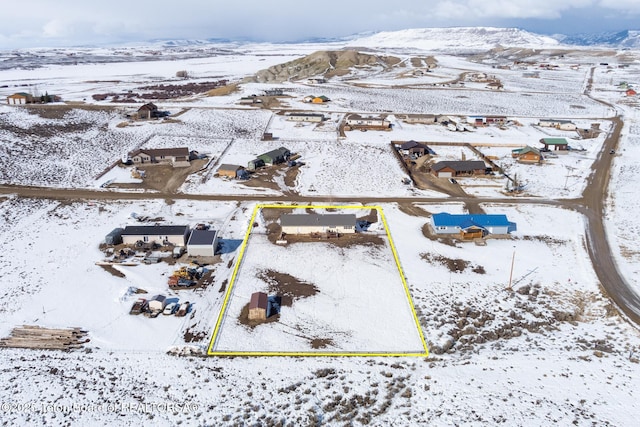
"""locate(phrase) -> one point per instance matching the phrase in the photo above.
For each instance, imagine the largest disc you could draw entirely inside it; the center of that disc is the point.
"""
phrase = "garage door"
(445, 175)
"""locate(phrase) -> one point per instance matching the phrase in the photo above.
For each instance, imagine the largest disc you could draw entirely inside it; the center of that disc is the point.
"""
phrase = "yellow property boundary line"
(225, 303)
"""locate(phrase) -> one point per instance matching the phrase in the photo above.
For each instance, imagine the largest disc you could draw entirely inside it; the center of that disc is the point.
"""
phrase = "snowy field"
(360, 305)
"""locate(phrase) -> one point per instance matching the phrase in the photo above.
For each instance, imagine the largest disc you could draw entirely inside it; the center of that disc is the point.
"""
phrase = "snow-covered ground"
(552, 350)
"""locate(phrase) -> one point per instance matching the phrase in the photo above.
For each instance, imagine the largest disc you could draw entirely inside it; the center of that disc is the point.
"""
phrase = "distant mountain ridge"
(456, 38)
(451, 38)
(629, 39)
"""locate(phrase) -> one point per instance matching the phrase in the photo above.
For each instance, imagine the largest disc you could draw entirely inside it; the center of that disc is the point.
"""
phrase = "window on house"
(145, 239)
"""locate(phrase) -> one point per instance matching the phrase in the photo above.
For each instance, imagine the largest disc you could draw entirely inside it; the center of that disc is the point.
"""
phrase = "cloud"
(70, 22)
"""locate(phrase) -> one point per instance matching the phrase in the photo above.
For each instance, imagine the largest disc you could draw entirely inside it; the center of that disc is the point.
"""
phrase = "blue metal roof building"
(445, 223)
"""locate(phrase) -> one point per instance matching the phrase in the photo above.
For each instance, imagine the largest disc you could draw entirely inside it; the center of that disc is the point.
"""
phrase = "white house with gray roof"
(314, 223)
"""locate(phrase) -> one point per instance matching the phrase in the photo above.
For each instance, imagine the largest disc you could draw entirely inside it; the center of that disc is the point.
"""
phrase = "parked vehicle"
(138, 306)
(178, 251)
(453, 181)
(171, 308)
(183, 310)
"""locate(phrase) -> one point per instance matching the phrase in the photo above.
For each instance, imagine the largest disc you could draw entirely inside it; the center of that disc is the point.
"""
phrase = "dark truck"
(138, 306)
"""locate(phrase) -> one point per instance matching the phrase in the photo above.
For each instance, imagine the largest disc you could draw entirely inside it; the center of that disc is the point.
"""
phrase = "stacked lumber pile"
(36, 337)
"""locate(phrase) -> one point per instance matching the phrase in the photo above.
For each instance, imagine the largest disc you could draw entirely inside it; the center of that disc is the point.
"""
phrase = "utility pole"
(513, 259)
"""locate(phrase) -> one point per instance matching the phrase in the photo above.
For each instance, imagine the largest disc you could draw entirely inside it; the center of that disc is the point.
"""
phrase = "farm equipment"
(185, 277)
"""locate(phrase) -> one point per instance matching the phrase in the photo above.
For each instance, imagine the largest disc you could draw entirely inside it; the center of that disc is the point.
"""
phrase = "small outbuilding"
(202, 243)
(114, 237)
(231, 171)
(558, 144)
(20, 98)
(315, 223)
(258, 306)
(148, 111)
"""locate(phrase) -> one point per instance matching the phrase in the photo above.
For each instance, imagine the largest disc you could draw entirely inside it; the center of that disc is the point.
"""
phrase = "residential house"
(495, 86)
(316, 80)
(486, 120)
(457, 168)
(258, 306)
(414, 148)
(320, 100)
(273, 157)
(178, 157)
(274, 92)
(250, 100)
(558, 144)
(202, 243)
(314, 223)
(426, 119)
(232, 171)
(20, 98)
(305, 117)
(471, 226)
(161, 234)
(558, 124)
(631, 92)
(357, 121)
(527, 155)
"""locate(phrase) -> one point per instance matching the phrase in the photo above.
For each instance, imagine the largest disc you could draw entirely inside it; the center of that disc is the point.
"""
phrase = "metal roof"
(259, 300)
(332, 220)
(554, 141)
(228, 167)
(158, 152)
(459, 165)
(155, 230)
(466, 220)
(202, 237)
(274, 154)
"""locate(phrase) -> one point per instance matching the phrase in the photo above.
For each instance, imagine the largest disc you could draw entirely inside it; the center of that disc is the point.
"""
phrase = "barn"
(202, 243)
(161, 234)
(148, 111)
(315, 223)
(258, 306)
(273, 157)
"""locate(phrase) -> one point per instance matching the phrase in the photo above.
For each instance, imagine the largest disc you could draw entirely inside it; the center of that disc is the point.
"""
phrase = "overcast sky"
(36, 23)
